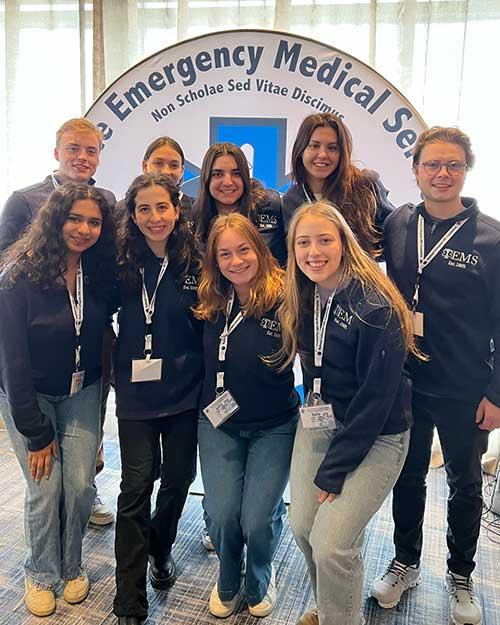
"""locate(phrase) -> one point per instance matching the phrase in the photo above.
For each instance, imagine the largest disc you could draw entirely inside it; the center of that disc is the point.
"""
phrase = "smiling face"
(237, 261)
(165, 160)
(155, 216)
(78, 156)
(82, 227)
(321, 157)
(441, 190)
(226, 185)
(318, 250)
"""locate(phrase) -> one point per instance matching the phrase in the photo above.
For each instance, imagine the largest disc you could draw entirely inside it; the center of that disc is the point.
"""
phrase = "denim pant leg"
(78, 428)
(333, 532)
(463, 444)
(223, 458)
(266, 475)
(138, 448)
(42, 563)
(178, 470)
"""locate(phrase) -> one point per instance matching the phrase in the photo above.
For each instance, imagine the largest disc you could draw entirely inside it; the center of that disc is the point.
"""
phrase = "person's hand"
(487, 415)
(324, 496)
(40, 462)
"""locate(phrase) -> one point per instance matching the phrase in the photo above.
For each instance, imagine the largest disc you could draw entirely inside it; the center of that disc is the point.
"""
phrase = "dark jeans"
(463, 444)
(137, 533)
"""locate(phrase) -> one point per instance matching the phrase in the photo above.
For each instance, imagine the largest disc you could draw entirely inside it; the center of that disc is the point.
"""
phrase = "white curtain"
(56, 55)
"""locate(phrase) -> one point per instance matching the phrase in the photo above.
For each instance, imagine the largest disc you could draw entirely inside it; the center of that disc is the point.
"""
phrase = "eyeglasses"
(454, 168)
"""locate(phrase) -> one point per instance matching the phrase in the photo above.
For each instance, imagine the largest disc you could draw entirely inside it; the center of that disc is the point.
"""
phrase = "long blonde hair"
(266, 288)
(356, 264)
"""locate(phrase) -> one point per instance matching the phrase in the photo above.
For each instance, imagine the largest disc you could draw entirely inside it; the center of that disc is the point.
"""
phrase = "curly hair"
(40, 254)
(213, 292)
(349, 188)
(445, 134)
(205, 210)
(133, 249)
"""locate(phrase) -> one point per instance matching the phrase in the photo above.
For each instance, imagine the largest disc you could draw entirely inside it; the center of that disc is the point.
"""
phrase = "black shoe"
(162, 573)
(130, 620)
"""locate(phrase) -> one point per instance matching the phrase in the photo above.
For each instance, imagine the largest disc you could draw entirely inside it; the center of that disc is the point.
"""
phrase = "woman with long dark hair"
(55, 286)
(322, 169)
(249, 412)
(226, 187)
(352, 330)
(158, 370)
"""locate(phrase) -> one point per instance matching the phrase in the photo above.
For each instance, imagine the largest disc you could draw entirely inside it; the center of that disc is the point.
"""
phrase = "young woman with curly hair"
(249, 415)
(158, 369)
(226, 186)
(352, 330)
(322, 170)
(55, 288)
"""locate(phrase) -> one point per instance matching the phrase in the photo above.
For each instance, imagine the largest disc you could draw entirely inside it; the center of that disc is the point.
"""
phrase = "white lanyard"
(424, 260)
(228, 328)
(55, 181)
(320, 333)
(77, 310)
(149, 306)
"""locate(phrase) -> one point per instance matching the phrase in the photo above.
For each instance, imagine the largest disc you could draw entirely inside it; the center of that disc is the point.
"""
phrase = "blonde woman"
(249, 412)
(353, 331)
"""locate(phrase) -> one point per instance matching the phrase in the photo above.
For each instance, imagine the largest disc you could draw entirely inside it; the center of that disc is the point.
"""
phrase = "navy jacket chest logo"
(267, 222)
(341, 317)
(272, 327)
(459, 258)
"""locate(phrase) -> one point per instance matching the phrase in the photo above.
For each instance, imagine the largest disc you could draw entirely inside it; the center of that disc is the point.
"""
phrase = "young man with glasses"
(444, 256)
(78, 147)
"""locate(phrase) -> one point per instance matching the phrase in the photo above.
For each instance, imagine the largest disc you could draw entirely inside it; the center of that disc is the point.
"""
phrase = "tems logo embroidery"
(341, 317)
(459, 259)
(190, 283)
(272, 327)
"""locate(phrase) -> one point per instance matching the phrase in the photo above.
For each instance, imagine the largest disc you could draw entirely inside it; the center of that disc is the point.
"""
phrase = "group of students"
(215, 298)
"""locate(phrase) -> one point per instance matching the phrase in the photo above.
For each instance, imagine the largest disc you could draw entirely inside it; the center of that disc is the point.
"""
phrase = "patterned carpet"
(186, 602)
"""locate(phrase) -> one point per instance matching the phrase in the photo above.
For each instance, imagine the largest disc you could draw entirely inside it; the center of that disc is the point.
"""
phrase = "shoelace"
(397, 569)
(461, 583)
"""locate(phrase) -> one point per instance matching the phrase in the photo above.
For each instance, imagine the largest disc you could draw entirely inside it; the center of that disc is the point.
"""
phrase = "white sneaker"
(206, 541)
(101, 513)
(266, 606)
(389, 587)
(219, 608)
(464, 605)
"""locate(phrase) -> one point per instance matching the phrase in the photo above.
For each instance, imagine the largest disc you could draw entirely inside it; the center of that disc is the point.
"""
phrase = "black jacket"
(295, 196)
(362, 377)
(265, 397)
(177, 339)
(459, 297)
(37, 350)
(23, 204)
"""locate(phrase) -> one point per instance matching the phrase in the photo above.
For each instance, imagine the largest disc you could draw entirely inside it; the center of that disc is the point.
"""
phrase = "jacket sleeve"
(379, 363)
(15, 364)
(14, 219)
(493, 389)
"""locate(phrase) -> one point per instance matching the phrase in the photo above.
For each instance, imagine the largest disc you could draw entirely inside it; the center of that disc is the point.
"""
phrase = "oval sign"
(253, 88)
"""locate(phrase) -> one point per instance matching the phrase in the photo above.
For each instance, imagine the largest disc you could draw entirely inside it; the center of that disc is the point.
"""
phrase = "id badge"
(316, 415)
(144, 370)
(76, 382)
(417, 322)
(221, 409)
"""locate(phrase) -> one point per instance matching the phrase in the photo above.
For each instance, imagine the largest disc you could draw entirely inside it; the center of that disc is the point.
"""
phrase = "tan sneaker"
(309, 618)
(266, 606)
(77, 589)
(39, 601)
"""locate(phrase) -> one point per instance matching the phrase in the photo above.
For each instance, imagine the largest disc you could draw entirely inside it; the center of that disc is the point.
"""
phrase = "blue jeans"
(331, 535)
(244, 475)
(57, 510)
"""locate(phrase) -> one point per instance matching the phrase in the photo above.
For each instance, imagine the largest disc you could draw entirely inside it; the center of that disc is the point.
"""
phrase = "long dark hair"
(205, 209)
(132, 247)
(40, 255)
(350, 189)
